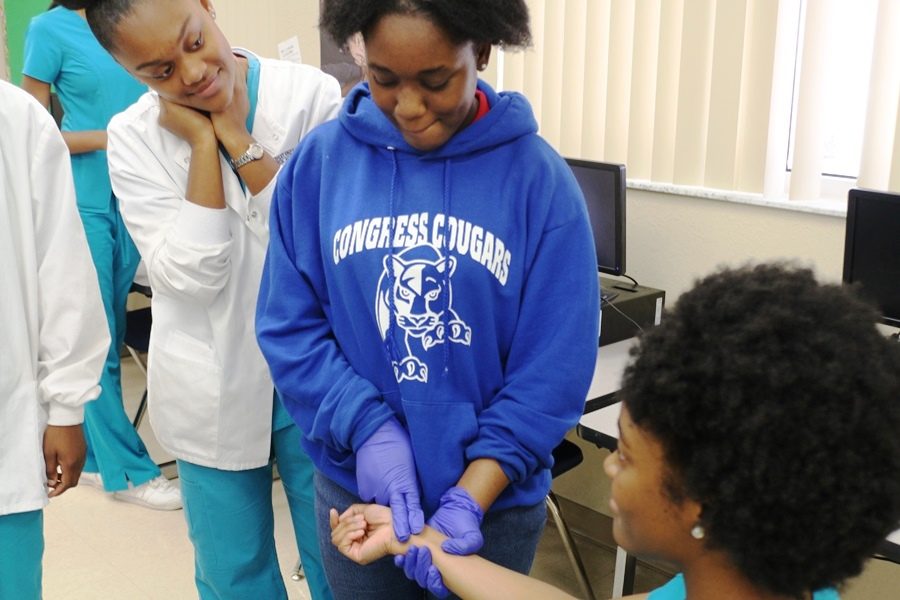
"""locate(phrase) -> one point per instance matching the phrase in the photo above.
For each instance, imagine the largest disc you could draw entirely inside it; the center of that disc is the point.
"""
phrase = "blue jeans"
(510, 539)
(21, 549)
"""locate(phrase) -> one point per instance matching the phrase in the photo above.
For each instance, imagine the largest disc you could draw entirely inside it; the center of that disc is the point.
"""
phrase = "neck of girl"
(712, 576)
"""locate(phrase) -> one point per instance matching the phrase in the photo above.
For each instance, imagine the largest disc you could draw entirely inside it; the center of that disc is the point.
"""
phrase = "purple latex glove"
(459, 517)
(386, 474)
(417, 566)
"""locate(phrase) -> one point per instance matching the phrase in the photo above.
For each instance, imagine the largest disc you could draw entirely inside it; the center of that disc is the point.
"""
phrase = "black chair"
(566, 456)
(889, 550)
(137, 342)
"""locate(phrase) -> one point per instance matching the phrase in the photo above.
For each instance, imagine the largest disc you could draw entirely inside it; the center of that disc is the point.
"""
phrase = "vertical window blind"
(699, 92)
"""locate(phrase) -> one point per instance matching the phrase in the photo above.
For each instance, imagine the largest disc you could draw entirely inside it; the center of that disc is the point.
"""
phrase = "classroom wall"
(18, 14)
(672, 240)
(4, 58)
(260, 25)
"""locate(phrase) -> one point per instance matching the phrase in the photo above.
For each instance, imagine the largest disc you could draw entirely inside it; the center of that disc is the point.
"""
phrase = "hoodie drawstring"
(389, 341)
(445, 284)
(391, 349)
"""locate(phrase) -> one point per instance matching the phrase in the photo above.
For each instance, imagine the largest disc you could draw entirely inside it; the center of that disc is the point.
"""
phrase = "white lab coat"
(53, 333)
(209, 389)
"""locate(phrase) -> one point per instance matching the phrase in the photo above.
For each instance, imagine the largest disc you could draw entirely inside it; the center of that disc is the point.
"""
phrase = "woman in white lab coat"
(193, 164)
(53, 338)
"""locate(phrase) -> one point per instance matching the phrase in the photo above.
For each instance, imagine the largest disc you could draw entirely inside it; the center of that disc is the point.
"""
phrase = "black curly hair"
(777, 404)
(500, 22)
(103, 17)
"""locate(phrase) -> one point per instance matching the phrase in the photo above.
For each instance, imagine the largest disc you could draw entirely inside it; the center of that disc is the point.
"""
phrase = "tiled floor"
(97, 547)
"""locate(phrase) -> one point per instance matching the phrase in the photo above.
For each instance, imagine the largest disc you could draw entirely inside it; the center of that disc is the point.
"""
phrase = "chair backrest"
(567, 455)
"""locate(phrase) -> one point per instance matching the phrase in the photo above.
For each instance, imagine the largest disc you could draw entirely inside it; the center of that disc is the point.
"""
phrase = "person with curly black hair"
(758, 448)
(429, 308)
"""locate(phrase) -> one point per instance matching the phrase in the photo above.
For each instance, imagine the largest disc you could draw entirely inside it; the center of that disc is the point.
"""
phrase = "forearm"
(484, 480)
(475, 578)
(204, 186)
(80, 142)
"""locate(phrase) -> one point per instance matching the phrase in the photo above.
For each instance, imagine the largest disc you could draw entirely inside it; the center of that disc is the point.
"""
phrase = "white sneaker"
(158, 493)
(91, 480)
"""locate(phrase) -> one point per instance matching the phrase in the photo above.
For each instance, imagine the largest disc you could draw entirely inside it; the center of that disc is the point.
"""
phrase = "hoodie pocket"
(184, 387)
(440, 433)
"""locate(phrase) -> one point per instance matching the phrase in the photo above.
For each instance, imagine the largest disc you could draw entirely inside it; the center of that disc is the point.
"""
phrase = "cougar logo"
(420, 298)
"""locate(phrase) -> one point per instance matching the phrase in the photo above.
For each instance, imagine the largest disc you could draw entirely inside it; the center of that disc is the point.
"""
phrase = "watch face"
(256, 151)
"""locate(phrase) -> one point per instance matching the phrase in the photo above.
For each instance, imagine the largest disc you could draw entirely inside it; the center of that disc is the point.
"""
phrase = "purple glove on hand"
(417, 566)
(459, 517)
(386, 474)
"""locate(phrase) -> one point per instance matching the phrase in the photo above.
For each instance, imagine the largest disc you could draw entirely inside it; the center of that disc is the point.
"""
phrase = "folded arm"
(181, 231)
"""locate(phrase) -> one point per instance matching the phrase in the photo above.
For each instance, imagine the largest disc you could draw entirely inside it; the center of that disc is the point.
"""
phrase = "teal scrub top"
(92, 87)
(674, 590)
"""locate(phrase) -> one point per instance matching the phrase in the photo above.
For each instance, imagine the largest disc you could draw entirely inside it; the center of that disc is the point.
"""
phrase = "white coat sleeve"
(73, 335)
(185, 247)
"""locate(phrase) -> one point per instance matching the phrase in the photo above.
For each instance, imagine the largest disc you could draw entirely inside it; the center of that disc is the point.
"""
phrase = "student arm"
(551, 357)
(78, 142)
(73, 337)
(363, 534)
(186, 245)
(331, 402)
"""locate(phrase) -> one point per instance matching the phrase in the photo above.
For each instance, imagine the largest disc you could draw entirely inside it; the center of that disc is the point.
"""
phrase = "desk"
(601, 427)
(611, 362)
(890, 548)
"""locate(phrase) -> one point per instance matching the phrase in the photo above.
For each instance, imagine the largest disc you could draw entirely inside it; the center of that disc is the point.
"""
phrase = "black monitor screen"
(603, 186)
(872, 249)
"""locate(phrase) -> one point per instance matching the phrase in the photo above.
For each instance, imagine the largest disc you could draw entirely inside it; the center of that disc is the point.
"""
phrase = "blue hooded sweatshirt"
(454, 289)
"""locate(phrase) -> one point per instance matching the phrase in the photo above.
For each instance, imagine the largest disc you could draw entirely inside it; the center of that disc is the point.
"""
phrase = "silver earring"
(212, 13)
(482, 66)
(697, 532)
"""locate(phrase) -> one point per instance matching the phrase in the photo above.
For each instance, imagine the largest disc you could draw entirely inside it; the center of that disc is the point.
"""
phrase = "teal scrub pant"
(21, 549)
(114, 448)
(231, 523)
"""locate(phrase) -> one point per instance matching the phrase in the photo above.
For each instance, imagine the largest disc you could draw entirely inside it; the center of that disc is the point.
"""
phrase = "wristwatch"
(254, 152)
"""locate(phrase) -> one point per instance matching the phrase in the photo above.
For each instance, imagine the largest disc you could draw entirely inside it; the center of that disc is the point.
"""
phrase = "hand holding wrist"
(459, 517)
(386, 473)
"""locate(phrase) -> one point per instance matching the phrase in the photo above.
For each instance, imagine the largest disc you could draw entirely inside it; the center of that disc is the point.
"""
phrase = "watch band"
(253, 152)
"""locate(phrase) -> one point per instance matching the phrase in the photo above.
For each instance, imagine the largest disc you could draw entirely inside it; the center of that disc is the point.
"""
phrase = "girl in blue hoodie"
(429, 305)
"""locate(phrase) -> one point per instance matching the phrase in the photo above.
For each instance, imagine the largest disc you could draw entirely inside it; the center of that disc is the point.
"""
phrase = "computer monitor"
(872, 249)
(603, 186)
